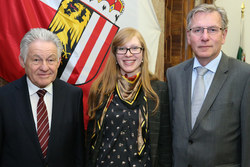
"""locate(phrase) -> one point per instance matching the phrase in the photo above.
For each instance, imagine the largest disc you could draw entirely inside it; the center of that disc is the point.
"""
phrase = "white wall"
(233, 9)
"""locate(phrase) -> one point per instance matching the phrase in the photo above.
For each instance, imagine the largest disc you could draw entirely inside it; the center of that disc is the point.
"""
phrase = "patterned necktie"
(198, 93)
(42, 123)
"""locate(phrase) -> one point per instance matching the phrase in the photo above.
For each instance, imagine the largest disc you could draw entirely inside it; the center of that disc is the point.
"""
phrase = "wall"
(233, 9)
(159, 7)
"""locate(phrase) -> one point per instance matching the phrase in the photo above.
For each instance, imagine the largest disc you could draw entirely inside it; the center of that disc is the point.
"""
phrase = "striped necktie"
(42, 123)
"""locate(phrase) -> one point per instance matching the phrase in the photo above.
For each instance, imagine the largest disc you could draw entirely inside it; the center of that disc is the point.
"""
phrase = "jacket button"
(190, 141)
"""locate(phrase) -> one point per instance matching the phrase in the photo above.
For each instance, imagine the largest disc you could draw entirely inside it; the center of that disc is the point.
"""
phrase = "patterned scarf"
(128, 89)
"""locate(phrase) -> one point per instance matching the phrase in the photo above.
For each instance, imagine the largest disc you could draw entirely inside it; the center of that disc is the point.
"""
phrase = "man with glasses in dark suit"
(210, 97)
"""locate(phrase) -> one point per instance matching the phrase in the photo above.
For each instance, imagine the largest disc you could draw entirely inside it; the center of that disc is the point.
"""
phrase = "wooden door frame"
(176, 48)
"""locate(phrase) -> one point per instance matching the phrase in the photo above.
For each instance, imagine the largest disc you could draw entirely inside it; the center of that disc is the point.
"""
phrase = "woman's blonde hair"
(106, 81)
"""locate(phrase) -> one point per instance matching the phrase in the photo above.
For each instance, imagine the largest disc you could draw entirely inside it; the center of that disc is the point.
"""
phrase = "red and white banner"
(86, 29)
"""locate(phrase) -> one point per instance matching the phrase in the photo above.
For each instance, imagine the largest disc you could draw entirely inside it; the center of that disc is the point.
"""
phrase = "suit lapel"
(25, 112)
(57, 108)
(187, 75)
(218, 81)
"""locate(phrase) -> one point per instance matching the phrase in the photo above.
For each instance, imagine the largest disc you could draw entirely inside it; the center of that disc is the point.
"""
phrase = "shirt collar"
(33, 88)
(211, 66)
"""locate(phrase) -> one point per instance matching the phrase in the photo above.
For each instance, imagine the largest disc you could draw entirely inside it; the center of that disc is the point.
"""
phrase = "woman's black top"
(119, 145)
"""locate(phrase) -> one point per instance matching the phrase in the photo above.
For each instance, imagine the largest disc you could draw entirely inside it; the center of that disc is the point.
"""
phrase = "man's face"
(206, 46)
(41, 63)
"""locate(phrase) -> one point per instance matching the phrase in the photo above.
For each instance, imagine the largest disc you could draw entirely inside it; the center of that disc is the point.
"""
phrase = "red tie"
(42, 123)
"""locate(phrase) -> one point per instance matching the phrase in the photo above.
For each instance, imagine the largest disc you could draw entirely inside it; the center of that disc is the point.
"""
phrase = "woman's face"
(129, 57)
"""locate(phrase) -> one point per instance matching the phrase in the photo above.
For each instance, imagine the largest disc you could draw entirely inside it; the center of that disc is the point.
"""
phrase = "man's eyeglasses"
(133, 50)
(210, 30)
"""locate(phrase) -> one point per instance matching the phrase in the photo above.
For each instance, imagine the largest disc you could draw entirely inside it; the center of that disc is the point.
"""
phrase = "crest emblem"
(86, 36)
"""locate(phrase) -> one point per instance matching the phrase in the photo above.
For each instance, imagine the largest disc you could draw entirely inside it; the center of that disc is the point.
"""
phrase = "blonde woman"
(128, 108)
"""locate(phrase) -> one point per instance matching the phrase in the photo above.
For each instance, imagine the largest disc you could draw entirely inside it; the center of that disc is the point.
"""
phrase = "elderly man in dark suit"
(41, 120)
(210, 98)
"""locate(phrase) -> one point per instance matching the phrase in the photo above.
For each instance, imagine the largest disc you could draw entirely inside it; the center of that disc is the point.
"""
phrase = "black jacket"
(19, 144)
(159, 123)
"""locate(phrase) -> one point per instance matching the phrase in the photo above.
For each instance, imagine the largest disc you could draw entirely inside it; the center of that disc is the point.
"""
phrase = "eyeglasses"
(133, 50)
(210, 30)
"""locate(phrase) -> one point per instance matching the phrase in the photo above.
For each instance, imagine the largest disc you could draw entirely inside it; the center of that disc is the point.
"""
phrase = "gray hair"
(39, 34)
(208, 8)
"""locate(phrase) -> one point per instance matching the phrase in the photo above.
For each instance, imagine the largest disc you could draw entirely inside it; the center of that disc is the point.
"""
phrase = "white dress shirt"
(208, 77)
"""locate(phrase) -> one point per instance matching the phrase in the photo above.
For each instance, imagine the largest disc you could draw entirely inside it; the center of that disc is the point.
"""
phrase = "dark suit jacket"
(19, 144)
(220, 137)
(159, 127)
